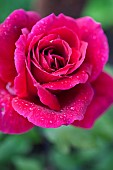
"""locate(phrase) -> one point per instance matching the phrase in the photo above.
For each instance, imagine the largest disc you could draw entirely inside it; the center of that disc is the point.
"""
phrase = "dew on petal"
(61, 117)
(72, 108)
(30, 108)
(77, 77)
(2, 110)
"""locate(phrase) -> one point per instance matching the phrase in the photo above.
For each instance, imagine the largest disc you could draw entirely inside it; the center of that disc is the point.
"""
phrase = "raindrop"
(2, 110)
(38, 109)
(5, 33)
(52, 113)
(15, 100)
(30, 108)
(50, 121)
(61, 117)
(72, 108)
(51, 41)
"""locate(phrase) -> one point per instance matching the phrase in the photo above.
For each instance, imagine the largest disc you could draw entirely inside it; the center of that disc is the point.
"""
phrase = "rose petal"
(67, 35)
(20, 84)
(65, 21)
(10, 121)
(97, 51)
(47, 98)
(74, 103)
(81, 59)
(103, 98)
(68, 82)
(10, 31)
(42, 76)
(42, 26)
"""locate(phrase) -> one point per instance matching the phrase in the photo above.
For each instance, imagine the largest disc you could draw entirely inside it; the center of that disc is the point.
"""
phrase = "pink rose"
(51, 72)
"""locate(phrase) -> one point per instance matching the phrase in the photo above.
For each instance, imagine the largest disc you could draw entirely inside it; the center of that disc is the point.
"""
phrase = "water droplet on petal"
(50, 121)
(61, 117)
(51, 41)
(72, 108)
(30, 108)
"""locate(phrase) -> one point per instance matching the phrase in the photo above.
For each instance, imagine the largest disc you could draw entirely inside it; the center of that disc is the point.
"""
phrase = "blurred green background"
(65, 148)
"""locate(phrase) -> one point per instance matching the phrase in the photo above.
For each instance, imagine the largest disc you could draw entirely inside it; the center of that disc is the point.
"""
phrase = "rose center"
(52, 57)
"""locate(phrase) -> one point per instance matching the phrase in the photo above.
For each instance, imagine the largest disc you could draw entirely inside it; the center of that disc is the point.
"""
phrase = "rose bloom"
(51, 72)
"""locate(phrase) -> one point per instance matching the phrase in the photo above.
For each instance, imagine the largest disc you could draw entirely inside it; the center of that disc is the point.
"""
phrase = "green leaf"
(13, 145)
(22, 163)
(66, 137)
(6, 7)
(108, 68)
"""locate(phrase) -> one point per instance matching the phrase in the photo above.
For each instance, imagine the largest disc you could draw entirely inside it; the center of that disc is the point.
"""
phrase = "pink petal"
(20, 84)
(68, 35)
(103, 98)
(10, 121)
(10, 31)
(20, 59)
(97, 51)
(73, 102)
(47, 98)
(42, 26)
(41, 93)
(42, 76)
(68, 82)
(65, 21)
(82, 51)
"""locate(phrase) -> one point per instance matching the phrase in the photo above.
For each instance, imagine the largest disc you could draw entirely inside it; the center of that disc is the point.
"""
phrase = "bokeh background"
(65, 148)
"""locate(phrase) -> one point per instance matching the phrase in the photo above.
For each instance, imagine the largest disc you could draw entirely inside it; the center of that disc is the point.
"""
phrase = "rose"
(51, 72)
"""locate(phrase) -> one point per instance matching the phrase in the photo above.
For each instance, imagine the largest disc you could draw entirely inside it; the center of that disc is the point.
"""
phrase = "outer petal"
(10, 121)
(63, 20)
(51, 22)
(97, 51)
(103, 98)
(20, 82)
(73, 102)
(42, 26)
(10, 31)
